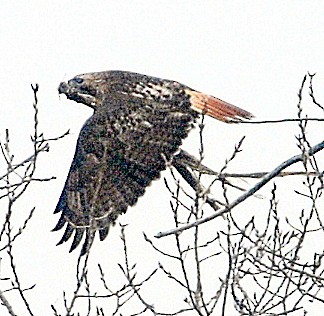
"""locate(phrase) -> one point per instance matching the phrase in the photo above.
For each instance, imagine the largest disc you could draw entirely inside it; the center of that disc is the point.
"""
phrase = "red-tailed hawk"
(137, 126)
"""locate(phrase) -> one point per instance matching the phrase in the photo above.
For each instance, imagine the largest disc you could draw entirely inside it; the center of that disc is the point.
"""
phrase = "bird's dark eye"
(78, 80)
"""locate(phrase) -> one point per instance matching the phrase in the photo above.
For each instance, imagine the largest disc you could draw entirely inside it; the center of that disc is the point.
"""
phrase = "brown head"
(88, 89)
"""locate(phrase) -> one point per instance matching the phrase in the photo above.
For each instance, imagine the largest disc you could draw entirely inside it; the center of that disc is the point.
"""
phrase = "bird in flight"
(136, 129)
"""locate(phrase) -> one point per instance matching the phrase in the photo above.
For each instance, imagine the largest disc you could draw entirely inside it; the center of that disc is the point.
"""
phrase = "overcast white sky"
(253, 54)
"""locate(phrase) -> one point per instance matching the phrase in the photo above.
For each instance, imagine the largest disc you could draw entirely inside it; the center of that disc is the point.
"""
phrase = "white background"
(253, 54)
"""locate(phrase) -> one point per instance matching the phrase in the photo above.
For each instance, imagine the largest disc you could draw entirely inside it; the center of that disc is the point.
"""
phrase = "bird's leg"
(192, 162)
(182, 162)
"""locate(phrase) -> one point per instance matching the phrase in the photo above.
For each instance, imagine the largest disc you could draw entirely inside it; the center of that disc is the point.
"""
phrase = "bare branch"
(312, 151)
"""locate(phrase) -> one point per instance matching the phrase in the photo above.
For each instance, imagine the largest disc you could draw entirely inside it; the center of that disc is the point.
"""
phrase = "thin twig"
(306, 119)
(247, 194)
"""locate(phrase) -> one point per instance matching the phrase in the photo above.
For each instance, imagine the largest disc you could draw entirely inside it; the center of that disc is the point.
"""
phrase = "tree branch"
(313, 150)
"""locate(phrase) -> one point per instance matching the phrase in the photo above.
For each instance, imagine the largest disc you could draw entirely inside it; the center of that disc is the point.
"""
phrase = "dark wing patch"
(121, 149)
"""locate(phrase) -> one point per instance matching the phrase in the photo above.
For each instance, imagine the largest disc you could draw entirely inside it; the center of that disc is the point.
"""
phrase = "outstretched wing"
(120, 150)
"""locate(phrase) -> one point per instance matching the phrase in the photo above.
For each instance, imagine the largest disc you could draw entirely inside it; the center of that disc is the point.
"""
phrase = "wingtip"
(61, 222)
(77, 238)
(67, 234)
(103, 233)
(217, 108)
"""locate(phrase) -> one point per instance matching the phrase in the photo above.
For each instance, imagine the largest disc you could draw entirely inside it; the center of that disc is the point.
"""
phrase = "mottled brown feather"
(138, 124)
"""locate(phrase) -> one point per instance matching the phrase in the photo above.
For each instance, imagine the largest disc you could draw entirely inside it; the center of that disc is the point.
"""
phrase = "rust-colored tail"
(220, 110)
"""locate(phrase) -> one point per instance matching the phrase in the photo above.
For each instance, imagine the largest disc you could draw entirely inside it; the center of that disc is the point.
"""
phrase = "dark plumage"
(138, 125)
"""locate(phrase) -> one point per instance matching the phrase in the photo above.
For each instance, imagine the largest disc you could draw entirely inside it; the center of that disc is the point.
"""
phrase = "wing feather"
(67, 234)
(103, 233)
(121, 149)
(77, 238)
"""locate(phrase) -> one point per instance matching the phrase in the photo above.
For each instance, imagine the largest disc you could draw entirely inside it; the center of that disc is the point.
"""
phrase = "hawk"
(136, 129)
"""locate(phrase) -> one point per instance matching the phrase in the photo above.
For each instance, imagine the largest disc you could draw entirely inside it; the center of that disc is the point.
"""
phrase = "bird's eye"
(78, 80)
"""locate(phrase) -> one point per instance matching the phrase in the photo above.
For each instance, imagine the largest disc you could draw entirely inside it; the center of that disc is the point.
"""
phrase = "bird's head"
(85, 88)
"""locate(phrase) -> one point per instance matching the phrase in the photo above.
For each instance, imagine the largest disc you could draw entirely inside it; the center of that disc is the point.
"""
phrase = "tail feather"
(217, 108)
